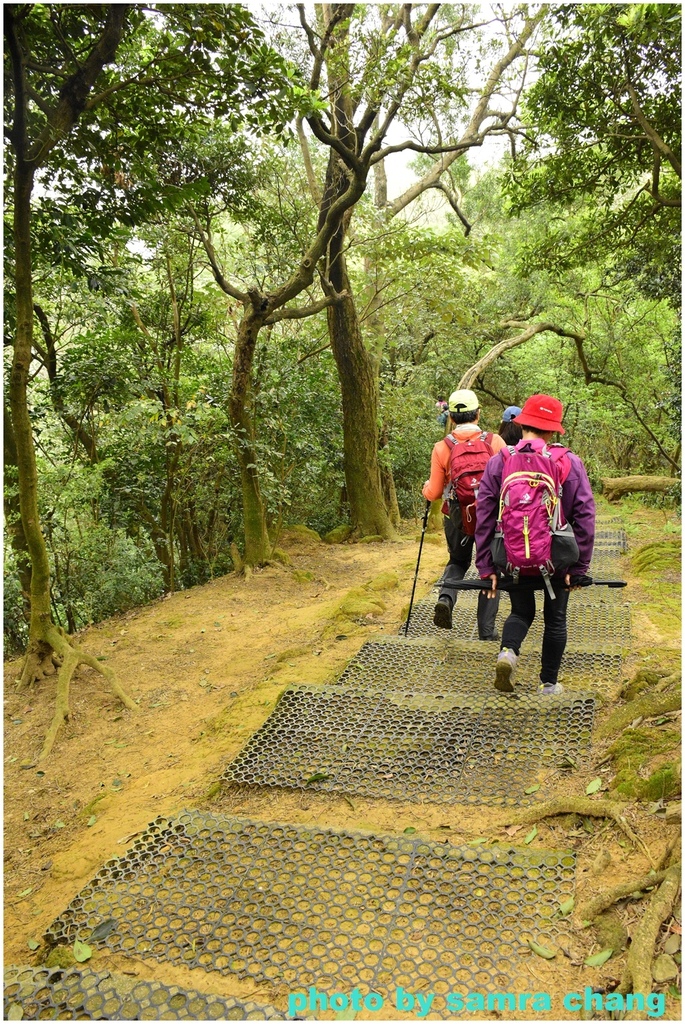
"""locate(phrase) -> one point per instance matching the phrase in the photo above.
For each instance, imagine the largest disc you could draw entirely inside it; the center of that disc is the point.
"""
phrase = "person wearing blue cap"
(509, 431)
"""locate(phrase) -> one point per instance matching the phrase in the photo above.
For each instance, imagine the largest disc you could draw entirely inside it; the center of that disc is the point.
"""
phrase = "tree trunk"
(257, 543)
(616, 487)
(360, 415)
(40, 618)
(13, 523)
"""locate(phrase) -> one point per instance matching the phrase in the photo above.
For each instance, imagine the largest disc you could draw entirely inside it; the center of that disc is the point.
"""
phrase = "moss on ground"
(338, 535)
(385, 581)
(632, 752)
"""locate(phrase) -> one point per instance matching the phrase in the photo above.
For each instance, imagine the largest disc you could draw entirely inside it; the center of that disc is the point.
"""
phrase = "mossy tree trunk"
(257, 543)
(47, 643)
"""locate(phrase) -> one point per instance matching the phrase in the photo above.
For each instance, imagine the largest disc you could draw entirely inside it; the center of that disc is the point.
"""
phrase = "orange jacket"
(440, 459)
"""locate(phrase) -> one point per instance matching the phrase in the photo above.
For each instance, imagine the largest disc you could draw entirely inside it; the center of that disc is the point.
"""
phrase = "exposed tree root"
(637, 976)
(58, 649)
(645, 707)
(590, 910)
(585, 807)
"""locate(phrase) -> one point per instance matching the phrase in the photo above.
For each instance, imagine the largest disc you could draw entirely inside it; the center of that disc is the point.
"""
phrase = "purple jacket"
(576, 501)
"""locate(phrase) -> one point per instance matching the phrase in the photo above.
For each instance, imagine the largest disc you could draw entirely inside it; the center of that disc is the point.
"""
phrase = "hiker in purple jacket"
(540, 418)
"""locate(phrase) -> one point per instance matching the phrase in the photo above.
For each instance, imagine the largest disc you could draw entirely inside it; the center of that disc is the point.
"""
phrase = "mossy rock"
(302, 532)
(611, 933)
(385, 581)
(279, 555)
(303, 576)
(372, 538)
(292, 652)
(358, 603)
(61, 956)
(338, 535)
(635, 748)
(657, 557)
(642, 679)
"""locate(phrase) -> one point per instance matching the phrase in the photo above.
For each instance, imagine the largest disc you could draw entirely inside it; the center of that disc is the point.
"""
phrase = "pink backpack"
(468, 460)
(532, 537)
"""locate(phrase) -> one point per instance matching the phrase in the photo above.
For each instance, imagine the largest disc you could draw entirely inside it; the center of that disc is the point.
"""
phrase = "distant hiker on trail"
(457, 464)
(443, 411)
(523, 530)
(509, 431)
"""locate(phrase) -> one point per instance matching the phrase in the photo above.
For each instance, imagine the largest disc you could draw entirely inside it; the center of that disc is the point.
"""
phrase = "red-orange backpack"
(467, 463)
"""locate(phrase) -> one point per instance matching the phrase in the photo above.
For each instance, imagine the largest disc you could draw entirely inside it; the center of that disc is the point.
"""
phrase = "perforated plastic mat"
(83, 994)
(421, 665)
(482, 747)
(308, 906)
(592, 623)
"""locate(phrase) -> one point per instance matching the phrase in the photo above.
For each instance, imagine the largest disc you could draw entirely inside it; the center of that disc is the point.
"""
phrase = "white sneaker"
(506, 663)
(549, 688)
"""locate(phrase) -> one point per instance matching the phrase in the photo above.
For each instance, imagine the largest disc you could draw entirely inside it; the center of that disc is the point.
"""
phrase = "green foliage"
(606, 115)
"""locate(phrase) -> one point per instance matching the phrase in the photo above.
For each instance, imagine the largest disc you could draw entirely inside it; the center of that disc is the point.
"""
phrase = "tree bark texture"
(257, 543)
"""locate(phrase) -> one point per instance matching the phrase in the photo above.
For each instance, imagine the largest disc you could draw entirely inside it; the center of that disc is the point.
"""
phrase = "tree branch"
(657, 143)
(504, 346)
(206, 240)
(305, 311)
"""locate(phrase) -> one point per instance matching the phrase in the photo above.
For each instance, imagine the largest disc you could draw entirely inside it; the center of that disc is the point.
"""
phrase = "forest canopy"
(247, 250)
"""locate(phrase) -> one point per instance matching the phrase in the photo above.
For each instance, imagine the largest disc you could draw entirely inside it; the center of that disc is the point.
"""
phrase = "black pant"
(554, 636)
(460, 547)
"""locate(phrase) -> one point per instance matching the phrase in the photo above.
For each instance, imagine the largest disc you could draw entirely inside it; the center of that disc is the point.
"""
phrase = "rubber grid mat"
(419, 665)
(483, 748)
(593, 625)
(74, 994)
(307, 906)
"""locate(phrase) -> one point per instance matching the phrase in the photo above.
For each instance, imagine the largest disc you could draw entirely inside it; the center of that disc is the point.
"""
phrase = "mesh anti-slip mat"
(594, 621)
(82, 994)
(420, 665)
(302, 906)
(485, 748)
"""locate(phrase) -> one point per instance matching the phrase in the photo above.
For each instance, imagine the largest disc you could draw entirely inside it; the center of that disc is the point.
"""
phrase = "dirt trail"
(206, 667)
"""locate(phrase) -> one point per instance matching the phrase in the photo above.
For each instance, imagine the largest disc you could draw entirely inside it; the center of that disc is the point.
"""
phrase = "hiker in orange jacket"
(464, 410)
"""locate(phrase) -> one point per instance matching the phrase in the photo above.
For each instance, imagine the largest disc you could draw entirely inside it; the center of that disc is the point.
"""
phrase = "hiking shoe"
(549, 688)
(442, 616)
(506, 663)
(493, 636)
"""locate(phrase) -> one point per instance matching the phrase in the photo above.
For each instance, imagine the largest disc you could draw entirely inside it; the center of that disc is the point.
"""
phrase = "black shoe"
(442, 616)
(493, 636)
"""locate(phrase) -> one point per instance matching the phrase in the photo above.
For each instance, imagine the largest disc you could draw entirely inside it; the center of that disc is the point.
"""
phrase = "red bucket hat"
(542, 412)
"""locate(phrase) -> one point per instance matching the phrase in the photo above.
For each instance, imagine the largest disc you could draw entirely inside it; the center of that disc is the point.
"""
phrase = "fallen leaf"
(32, 944)
(593, 787)
(92, 820)
(317, 777)
(82, 951)
(410, 830)
(25, 892)
(543, 951)
(567, 906)
(102, 930)
(532, 789)
(511, 830)
(15, 1012)
(531, 835)
(598, 959)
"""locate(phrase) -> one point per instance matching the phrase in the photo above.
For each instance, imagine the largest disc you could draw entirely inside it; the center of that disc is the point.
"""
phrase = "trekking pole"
(418, 561)
(533, 583)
